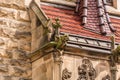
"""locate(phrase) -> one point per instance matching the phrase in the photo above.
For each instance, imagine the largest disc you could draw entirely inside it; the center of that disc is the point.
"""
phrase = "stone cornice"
(90, 44)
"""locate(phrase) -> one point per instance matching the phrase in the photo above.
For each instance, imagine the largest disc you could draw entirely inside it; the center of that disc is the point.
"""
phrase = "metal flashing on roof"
(60, 2)
(90, 44)
(112, 16)
(57, 5)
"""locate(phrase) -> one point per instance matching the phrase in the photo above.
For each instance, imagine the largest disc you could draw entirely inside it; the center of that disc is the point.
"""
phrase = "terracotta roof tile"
(95, 16)
(71, 23)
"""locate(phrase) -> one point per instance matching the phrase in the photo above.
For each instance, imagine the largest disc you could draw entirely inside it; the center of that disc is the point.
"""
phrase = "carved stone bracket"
(86, 70)
(58, 56)
(66, 75)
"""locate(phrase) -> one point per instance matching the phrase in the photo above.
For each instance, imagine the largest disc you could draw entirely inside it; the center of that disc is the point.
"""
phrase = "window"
(114, 3)
(109, 2)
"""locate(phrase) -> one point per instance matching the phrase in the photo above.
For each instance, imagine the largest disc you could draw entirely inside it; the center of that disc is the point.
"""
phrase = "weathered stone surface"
(29, 73)
(4, 53)
(19, 62)
(2, 42)
(24, 15)
(14, 14)
(1, 60)
(12, 44)
(10, 32)
(22, 34)
(12, 23)
(7, 78)
(23, 45)
(25, 26)
(7, 12)
(18, 54)
(24, 79)
(16, 62)
(17, 4)
(3, 68)
(6, 61)
(15, 78)
(16, 71)
(45, 67)
(2, 22)
(15, 41)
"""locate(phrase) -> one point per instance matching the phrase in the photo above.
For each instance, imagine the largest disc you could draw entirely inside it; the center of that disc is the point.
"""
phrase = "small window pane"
(109, 2)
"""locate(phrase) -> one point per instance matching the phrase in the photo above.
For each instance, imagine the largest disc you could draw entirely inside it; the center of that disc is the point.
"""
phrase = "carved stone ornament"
(86, 70)
(66, 75)
(107, 77)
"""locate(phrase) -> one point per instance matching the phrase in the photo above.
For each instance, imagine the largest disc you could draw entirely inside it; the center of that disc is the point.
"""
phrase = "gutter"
(89, 44)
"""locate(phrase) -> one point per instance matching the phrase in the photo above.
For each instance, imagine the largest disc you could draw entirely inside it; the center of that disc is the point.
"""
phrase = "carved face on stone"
(86, 70)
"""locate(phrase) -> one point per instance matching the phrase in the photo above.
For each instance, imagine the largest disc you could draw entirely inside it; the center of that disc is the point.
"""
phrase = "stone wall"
(42, 68)
(79, 67)
(15, 40)
(118, 72)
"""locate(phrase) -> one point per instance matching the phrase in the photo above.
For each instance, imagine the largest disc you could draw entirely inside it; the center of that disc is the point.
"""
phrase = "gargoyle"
(59, 43)
(116, 53)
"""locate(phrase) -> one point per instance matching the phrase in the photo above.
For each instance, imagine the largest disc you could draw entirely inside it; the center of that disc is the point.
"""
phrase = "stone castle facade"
(22, 34)
(15, 40)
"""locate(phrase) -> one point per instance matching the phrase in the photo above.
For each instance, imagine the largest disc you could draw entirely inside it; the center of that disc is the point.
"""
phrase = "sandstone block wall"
(100, 69)
(42, 68)
(15, 41)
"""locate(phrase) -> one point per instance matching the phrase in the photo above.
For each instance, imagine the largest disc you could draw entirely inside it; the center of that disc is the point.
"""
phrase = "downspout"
(59, 61)
(113, 68)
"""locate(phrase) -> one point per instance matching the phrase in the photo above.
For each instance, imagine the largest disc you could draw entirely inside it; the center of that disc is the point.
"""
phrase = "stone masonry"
(15, 41)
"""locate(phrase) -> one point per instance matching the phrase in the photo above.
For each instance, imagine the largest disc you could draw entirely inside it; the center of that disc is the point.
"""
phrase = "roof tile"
(71, 23)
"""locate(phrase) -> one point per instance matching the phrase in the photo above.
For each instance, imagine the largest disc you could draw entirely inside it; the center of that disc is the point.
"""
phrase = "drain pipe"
(113, 68)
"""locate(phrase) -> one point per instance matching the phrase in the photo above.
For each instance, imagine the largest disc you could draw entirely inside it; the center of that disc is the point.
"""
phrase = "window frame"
(109, 2)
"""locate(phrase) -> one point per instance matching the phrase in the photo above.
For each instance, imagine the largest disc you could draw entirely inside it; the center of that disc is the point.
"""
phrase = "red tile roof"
(71, 23)
(95, 16)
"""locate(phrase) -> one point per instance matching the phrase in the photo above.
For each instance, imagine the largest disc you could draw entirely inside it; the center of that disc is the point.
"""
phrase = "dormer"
(109, 2)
